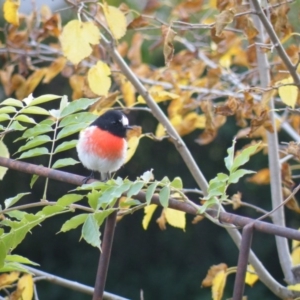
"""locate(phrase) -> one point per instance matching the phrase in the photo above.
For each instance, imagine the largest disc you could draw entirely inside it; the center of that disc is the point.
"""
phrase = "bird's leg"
(105, 176)
(86, 179)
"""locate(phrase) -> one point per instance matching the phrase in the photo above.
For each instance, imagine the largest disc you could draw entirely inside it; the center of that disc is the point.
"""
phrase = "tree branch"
(273, 149)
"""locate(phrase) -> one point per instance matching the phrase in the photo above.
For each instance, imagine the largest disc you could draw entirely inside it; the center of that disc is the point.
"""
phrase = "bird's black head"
(113, 121)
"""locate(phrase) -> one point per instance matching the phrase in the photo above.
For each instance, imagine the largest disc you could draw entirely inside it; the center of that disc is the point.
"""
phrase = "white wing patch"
(125, 121)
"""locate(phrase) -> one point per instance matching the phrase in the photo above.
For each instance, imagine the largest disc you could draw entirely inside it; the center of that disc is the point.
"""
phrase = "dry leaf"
(198, 219)
(161, 221)
(77, 83)
(261, 177)
(292, 203)
(10, 10)
(76, 40)
(116, 20)
(138, 22)
(236, 200)
(218, 285)
(55, 68)
(229, 108)
(294, 149)
(211, 274)
(168, 36)
(25, 288)
(98, 78)
(223, 19)
(6, 279)
(134, 53)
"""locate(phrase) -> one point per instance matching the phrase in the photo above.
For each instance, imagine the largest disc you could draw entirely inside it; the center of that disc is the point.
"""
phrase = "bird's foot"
(86, 179)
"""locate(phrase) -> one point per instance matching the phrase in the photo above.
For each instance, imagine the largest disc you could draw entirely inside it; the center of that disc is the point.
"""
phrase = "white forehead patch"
(124, 121)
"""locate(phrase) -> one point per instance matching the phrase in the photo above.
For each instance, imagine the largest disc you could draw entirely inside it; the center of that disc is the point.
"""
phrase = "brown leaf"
(18, 83)
(223, 19)
(162, 221)
(138, 22)
(261, 177)
(33, 80)
(151, 6)
(216, 38)
(198, 219)
(292, 203)
(229, 108)
(294, 149)
(5, 77)
(55, 68)
(262, 120)
(186, 8)
(134, 52)
(286, 175)
(211, 274)
(77, 83)
(135, 131)
(105, 102)
(168, 35)
(236, 200)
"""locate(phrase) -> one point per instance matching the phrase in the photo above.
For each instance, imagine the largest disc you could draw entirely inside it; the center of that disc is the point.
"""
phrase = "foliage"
(210, 76)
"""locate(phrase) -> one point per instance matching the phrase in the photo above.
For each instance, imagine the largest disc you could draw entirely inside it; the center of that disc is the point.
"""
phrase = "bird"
(102, 146)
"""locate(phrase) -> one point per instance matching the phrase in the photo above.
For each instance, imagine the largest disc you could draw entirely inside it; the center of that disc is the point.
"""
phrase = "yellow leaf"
(25, 284)
(295, 255)
(116, 21)
(54, 69)
(148, 210)
(4, 153)
(98, 78)
(175, 218)
(132, 145)
(10, 9)
(218, 285)
(295, 287)
(33, 81)
(128, 92)
(7, 279)
(251, 276)
(288, 93)
(76, 40)
(159, 96)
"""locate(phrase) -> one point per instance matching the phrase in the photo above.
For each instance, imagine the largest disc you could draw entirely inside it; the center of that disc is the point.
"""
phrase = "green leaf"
(82, 117)
(177, 183)
(34, 178)
(20, 259)
(17, 126)
(244, 157)
(147, 176)
(164, 196)
(150, 192)
(4, 117)
(35, 110)
(130, 202)
(100, 216)
(37, 141)
(69, 199)
(34, 152)
(65, 146)
(74, 222)
(13, 200)
(222, 177)
(135, 189)
(93, 197)
(3, 252)
(36, 130)
(43, 99)
(207, 204)
(13, 266)
(90, 231)
(106, 198)
(16, 214)
(12, 102)
(64, 162)
(229, 159)
(4, 153)
(77, 105)
(7, 110)
(235, 176)
(50, 210)
(68, 130)
(26, 119)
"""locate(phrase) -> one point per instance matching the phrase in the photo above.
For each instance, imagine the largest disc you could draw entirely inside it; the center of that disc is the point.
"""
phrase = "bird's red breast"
(103, 143)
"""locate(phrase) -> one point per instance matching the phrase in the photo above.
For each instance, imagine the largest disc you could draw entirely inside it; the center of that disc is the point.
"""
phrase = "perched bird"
(102, 145)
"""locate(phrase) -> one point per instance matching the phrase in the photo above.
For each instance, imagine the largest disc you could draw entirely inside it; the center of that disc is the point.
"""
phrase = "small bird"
(102, 145)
